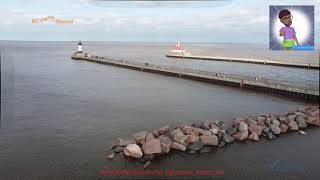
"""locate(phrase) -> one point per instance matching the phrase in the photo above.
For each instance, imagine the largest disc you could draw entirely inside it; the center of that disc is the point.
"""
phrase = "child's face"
(287, 20)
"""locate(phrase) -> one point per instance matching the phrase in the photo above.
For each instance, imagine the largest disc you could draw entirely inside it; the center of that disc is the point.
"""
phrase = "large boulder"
(282, 119)
(196, 125)
(123, 142)
(313, 112)
(301, 122)
(300, 114)
(273, 117)
(156, 133)
(243, 126)
(227, 138)
(314, 120)
(152, 147)
(185, 140)
(205, 132)
(140, 137)
(164, 129)
(204, 125)
(276, 122)
(290, 118)
(178, 146)
(283, 128)
(209, 139)
(239, 120)
(261, 121)
(275, 129)
(149, 136)
(232, 130)
(215, 126)
(293, 125)
(256, 129)
(133, 150)
(251, 121)
(241, 135)
(196, 131)
(196, 146)
(165, 143)
(223, 126)
(176, 134)
(119, 149)
(214, 131)
(194, 138)
(186, 129)
(266, 129)
(254, 136)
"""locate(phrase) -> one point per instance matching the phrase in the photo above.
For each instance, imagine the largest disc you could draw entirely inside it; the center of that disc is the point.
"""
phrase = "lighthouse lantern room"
(79, 47)
(179, 49)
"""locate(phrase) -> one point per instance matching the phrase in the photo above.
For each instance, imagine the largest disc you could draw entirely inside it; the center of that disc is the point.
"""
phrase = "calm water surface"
(59, 116)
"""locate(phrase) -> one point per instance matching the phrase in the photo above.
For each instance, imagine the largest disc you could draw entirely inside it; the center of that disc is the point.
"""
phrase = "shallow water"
(59, 117)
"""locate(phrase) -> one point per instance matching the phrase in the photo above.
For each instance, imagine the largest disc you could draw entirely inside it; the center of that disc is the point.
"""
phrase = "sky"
(223, 21)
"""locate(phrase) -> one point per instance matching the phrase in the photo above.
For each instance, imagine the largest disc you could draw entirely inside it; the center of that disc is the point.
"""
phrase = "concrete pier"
(246, 60)
(244, 82)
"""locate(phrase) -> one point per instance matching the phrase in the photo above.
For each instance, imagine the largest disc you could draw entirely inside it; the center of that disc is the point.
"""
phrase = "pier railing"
(247, 60)
(248, 82)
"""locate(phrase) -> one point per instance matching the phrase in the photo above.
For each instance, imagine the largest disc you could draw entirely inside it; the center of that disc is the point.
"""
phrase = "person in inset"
(288, 33)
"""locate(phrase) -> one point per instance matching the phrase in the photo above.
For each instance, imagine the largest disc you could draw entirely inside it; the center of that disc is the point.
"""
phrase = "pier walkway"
(245, 82)
(246, 60)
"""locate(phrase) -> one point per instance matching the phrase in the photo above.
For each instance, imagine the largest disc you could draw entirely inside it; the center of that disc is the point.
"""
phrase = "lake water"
(60, 116)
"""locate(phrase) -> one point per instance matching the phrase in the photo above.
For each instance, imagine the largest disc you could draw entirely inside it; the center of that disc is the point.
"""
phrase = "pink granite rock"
(176, 134)
(241, 135)
(178, 146)
(149, 136)
(152, 147)
(283, 128)
(164, 129)
(133, 150)
(205, 132)
(293, 125)
(110, 156)
(314, 120)
(313, 113)
(140, 137)
(196, 131)
(194, 138)
(185, 140)
(186, 129)
(290, 118)
(209, 139)
(256, 129)
(156, 133)
(123, 142)
(165, 143)
(254, 136)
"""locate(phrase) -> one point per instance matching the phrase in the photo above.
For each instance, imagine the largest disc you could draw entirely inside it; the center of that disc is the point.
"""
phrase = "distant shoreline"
(317, 47)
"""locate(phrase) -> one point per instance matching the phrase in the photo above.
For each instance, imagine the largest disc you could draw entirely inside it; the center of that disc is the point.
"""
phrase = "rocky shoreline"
(202, 137)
